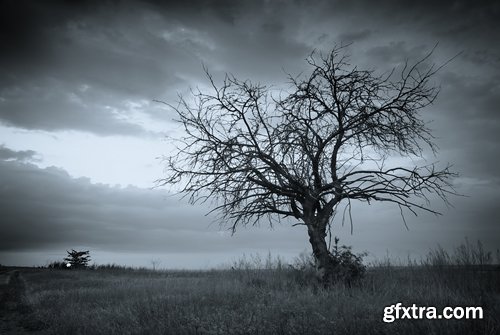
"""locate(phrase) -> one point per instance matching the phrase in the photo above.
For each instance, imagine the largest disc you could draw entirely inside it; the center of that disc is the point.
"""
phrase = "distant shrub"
(77, 259)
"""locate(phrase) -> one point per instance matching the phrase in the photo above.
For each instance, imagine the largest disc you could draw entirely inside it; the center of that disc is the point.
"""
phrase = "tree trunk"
(326, 264)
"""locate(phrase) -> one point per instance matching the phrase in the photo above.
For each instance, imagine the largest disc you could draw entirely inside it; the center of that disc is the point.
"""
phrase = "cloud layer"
(68, 70)
(46, 209)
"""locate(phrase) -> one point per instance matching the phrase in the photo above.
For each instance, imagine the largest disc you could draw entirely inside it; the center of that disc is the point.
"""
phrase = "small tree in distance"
(77, 259)
(301, 153)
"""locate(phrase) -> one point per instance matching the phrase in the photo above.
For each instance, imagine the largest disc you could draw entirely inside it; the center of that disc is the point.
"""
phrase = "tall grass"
(466, 254)
(264, 296)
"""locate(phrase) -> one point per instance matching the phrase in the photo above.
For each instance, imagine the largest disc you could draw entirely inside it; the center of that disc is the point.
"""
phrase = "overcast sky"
(80, 133)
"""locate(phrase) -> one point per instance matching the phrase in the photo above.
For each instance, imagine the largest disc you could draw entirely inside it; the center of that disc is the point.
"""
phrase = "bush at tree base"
(349, 268)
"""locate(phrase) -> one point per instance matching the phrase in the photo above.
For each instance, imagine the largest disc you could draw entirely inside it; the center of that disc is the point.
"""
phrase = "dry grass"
(247, 300)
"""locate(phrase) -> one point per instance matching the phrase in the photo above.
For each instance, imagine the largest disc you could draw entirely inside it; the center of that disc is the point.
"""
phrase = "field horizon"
(254, 296)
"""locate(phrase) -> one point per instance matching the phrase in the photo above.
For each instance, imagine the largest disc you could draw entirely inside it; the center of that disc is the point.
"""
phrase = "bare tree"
(300, 153)
(155, 263)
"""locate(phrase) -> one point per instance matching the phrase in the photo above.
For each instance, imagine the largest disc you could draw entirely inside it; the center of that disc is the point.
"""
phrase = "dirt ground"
(14, 313)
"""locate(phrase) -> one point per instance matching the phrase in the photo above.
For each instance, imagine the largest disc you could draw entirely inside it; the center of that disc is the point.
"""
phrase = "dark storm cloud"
(23, 155)
(396, 52)
(465, 115)
(86, 67)
(74, 66)
(48, 209)
(25, 26)
(54, 105)
(350, 37)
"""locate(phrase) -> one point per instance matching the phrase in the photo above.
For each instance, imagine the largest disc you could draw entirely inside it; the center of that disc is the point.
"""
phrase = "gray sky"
(80, 134)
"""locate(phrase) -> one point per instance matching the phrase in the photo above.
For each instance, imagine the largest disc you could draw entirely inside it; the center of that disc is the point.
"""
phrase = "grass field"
(247, 300)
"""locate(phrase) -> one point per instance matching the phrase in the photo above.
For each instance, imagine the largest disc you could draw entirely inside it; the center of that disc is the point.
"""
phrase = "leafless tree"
(155, 263)
(326, 140)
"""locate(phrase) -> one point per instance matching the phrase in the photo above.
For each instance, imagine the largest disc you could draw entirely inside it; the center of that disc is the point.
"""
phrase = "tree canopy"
(330, 138)
(77, 259)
